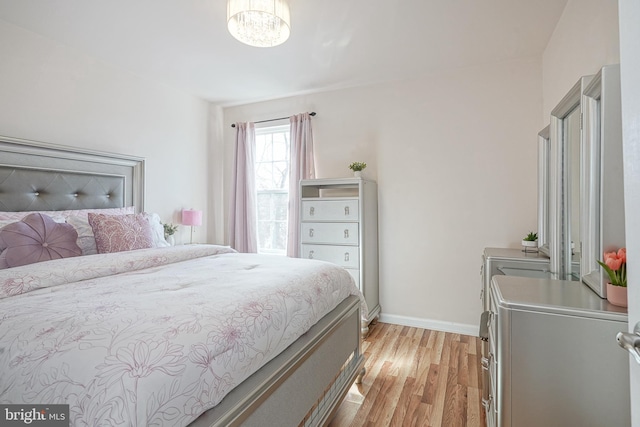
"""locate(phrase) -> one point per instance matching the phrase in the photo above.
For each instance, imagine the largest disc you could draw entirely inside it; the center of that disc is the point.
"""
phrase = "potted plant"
(357, 168)
(530, 242)
(169, 231)
(615, 264)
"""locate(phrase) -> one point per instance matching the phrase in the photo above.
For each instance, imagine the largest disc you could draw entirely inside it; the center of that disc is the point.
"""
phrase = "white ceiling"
(333, 43)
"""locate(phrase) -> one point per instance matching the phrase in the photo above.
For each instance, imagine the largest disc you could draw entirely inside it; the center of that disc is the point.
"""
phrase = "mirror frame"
(560, 253)
(544, 190)
(603, 228)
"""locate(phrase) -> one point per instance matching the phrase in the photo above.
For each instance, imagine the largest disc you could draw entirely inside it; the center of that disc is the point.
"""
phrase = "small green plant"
(170, 229)
(357, 166)
(531, 237)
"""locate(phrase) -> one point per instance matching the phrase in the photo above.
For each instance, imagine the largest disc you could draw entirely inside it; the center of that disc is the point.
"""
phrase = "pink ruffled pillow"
(119, 233)
(37, 238)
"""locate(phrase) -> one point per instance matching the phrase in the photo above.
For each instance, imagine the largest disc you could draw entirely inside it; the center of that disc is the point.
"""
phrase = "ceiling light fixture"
(259, 23)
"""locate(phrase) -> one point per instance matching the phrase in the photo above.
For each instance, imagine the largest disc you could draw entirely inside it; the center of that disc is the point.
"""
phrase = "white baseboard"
(436, 325)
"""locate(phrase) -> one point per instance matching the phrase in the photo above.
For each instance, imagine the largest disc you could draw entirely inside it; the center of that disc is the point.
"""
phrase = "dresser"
(511, 262)
(553, 359)
(339, 224)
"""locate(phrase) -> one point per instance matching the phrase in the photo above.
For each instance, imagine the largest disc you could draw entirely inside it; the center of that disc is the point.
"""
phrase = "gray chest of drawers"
(553, 359)
(339, 224)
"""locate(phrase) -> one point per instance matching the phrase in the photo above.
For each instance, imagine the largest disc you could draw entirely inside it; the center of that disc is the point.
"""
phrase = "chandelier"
(259, 23)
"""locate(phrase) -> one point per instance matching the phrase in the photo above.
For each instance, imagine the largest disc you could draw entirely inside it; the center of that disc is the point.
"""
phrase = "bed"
(159, 335)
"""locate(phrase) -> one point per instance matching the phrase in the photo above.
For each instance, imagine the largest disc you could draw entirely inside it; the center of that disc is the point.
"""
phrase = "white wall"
(585, 39)
(53, 94)
(454, 155)
(215, 166)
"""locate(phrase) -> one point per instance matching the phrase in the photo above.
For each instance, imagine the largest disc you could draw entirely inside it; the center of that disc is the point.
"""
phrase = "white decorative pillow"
(118, 233)
(157, 229)
(55, 218)
(86, 239)
(17, 216)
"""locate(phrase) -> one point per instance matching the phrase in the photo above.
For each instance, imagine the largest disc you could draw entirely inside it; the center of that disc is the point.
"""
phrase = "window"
(272, 185)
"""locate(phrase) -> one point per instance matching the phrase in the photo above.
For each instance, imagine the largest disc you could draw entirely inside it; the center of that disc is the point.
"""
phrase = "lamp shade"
(259, 23)
(191, 217)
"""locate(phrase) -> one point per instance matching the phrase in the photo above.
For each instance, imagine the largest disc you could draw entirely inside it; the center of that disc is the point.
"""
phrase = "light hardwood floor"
(416, 377)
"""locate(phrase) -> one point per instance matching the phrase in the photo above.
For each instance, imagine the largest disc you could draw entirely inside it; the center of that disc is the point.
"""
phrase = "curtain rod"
(313, 113)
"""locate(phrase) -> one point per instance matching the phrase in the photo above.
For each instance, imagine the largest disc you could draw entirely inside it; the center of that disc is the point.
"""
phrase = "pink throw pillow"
(119, 233)
(37, 238)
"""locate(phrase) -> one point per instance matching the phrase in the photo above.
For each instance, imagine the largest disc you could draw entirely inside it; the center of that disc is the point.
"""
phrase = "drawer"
(345, 256)
(491, 415)
(330, 210)
(339, 233)
(489, 409)
(493, 348)
(493, 333)
(486, 377)
(493, 381)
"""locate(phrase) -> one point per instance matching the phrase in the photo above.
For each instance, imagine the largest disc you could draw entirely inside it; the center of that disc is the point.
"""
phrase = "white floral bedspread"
(153, 337)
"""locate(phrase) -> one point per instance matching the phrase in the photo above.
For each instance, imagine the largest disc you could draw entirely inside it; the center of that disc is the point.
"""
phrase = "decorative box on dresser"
(339, 224)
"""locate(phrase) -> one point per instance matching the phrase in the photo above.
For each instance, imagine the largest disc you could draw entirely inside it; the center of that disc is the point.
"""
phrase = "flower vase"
(529, 246)
(617, 295)
(171, 240)
(357, 174)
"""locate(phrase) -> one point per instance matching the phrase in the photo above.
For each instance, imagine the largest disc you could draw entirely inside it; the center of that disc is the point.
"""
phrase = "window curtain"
(301, 166)
(242, 204)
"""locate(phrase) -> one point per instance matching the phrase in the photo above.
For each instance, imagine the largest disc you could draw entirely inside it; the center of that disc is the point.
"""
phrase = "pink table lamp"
(193, 218)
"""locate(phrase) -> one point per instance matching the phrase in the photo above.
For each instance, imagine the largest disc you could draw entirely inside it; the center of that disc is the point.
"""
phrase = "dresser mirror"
(603, 198)
(565, 160)
(571, 131)
(544, 190)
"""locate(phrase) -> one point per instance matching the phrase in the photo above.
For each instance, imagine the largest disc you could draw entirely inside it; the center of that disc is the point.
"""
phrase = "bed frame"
(304, 385)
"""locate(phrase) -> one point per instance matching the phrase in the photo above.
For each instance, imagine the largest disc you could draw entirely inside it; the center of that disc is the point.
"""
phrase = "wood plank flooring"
(416, 377)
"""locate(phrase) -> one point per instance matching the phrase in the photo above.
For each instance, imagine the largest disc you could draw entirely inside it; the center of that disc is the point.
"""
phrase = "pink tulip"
(616, 264)
(622, 254)
(613, 263)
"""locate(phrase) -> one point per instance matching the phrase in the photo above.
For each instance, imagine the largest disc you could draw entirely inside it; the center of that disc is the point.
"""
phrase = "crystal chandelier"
(260, 23)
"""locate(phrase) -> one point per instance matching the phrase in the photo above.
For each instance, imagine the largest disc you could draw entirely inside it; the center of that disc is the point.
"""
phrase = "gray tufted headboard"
(35, 176)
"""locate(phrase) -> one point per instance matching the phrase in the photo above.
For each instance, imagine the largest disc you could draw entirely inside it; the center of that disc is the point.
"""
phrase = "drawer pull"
(346, 256)
(485, 363)
(311, 232)
(490, 320)
(484, 325)
(346, 210)
(312, 211)
(310, 254)
(346, 234)
(486, 403)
